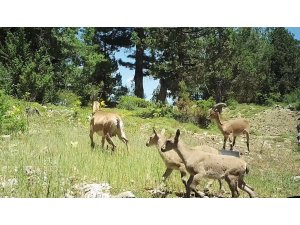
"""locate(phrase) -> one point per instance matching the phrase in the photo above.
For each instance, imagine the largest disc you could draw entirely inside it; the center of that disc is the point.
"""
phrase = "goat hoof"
(186, 195)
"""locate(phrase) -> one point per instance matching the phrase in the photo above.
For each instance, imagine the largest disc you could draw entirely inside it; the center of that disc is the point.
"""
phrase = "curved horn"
(218, 107)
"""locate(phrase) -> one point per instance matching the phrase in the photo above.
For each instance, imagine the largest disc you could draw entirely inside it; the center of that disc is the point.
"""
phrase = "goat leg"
(109, 140)
(243, 186)
(188, 189)
(194, 184)
(92, 139)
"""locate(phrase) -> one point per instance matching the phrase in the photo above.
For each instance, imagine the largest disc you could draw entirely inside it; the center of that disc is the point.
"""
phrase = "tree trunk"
(138, 76)
(162, 95)
(219, 92)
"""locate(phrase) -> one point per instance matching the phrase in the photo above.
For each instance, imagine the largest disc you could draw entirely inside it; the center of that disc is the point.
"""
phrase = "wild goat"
(202, 164)
(107, 125)
(174, 162)
(234, 127)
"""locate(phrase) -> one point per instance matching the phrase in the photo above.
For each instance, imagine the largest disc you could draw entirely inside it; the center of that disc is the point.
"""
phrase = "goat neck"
(218, 120)
(183, 151)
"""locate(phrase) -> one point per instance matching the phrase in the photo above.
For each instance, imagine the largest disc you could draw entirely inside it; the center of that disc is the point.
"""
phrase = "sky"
(149, 83)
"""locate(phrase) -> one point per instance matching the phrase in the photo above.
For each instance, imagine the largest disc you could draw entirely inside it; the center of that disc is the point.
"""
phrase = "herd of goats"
(200, 161)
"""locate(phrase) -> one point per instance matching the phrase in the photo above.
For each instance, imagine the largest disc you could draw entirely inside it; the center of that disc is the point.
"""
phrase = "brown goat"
(107, 125)
(202, 164)
(174, 162)
(234, 127)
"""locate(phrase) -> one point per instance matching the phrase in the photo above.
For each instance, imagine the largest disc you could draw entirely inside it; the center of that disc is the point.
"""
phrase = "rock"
(9, 183)
(296, 178)
(126, 194)
(94, 190)
(5, 137)
(74, 144)
(158, 193)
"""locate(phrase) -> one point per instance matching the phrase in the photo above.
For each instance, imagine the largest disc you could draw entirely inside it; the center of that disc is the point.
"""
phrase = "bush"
(261, 98)
(268, 99)
(68, 98)
(232, 103)
(293, 99)
(194, 112)
(12, 117)
(206, 104)
(157, 110)
(133, 103)
(272, 99)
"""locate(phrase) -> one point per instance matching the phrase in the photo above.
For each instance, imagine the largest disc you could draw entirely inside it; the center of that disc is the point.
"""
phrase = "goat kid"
(174, 162)
(202, 164)
(107, 125)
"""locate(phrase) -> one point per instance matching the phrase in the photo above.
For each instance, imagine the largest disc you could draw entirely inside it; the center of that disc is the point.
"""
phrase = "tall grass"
(57, 164)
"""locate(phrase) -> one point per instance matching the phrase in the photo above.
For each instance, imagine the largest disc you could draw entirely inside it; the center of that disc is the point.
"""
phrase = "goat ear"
(177, 135)
(163, 131)
(154, 131)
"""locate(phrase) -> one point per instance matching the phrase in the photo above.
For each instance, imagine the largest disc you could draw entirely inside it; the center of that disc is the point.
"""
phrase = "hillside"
(54, 154)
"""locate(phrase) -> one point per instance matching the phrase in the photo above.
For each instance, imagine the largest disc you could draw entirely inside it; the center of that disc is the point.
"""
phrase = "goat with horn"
(233, 127)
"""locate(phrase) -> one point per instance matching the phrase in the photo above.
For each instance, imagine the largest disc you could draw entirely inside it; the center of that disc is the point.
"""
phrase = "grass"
(48, 148)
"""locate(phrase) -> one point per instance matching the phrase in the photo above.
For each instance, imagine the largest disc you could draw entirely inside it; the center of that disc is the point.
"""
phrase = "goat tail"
(120, 127)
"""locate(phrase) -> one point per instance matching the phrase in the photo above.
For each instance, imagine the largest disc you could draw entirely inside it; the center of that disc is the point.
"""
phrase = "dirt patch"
(275, 122)
(272, 129)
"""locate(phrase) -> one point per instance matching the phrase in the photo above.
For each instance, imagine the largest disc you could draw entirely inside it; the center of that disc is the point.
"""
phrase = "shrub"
(156, 110)
(293, 99)
(68, 98)
(232, 103)
(261, 98)
(132, 103)
(194, 112)
(206, 104)
(12, 117)
(272, 99)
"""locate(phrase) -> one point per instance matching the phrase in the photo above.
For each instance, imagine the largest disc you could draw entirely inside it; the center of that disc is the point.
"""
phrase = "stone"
(74, 144)
(125, 194)
(9, 183)
(296, 178)
(5, 137)
(94, 190)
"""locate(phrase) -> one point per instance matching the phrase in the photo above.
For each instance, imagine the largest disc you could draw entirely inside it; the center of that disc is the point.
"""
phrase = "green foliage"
(194, 111)
(293, 99)
(43, 61)
(30, 71)
(272, 99)
(284, 63)
(206, 104)
(68, 98)
(37, 78)
(232, 103)
(132, 103)
(250, 65)
(243, 64)
(12, 117)
(157, 110)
